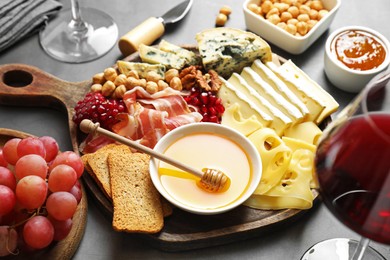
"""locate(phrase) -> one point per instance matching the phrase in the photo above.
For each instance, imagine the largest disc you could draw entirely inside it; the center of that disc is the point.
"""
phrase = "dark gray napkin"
(19, 18)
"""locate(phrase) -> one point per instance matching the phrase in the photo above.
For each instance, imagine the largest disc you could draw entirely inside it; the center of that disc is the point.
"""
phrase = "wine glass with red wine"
(353, 173)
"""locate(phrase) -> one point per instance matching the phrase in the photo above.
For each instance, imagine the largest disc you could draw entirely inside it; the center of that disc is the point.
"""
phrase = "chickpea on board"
(297, 17)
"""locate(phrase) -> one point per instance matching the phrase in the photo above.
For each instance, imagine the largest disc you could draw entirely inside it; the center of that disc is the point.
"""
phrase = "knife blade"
(152, 28)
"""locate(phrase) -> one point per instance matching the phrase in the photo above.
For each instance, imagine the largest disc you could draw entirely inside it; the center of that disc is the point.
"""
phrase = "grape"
(3, 162)
(7, 198)
(62, 178)
(76, 192)
(7, 178)
(31, 191)
(10, 150)
(61, 205)
(38, 232)
(8, 240)
(31, 164)
(69, 158)
(31, 145)
(51, 147)
(61, 228)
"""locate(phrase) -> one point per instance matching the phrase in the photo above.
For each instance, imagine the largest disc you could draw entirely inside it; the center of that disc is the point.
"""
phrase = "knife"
(152, 28)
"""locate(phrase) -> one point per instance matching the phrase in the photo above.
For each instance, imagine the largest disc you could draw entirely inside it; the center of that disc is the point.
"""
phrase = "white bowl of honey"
(206, 145)
(354, 55)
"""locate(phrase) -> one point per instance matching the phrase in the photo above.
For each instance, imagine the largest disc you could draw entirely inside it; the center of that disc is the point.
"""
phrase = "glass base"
(339, 249)
(97, 35)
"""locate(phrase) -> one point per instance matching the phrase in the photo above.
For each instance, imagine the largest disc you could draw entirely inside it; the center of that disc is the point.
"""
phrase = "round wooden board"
(182, 230)
(63, 249)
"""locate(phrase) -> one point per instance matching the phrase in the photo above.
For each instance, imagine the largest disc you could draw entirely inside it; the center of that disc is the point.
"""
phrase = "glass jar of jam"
(358, 50)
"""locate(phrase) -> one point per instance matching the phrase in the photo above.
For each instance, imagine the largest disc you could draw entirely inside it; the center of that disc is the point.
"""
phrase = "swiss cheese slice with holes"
(293, 191)
(331, 104)
(275, 157)
(230, 96)
(277, 100)
(280, 121)
(228, 50)
(314, 103)
(233, 118)
(269, 76)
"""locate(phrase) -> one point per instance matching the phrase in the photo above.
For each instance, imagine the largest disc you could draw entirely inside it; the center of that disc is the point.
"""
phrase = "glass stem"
(361, 248)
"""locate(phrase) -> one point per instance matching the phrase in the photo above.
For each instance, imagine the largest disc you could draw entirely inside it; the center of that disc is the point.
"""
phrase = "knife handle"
(146, 33)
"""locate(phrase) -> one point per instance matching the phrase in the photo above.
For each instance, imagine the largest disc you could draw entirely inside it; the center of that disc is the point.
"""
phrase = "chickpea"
(151, 87)
(302, 28)
(108, 88)
(285, 16)
(120, 80)
(110, 74)
(226, 10)
(221, 19)
(98, 78)
(303, 17)
(153, 76)
(272, 12)
(294, 11)
(313, 14)
(96, 88)
(291, 28)
(169, 74)
(161, 84)
(255, 8)
(322, 13)
(274, 18)
(317, 5)
(176, 83)
(304, 9)
(266, 6)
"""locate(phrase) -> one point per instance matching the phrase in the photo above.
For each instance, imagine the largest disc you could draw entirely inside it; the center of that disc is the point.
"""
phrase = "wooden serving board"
(63, 249)
(23, 85)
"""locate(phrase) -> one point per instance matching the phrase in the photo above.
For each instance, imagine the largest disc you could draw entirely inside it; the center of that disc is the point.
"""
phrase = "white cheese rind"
(273, 97)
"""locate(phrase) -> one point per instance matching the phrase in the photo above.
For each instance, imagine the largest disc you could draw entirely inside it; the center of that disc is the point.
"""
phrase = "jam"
(358, 50)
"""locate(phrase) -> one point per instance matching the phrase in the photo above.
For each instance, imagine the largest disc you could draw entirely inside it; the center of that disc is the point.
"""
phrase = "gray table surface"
(100, 241)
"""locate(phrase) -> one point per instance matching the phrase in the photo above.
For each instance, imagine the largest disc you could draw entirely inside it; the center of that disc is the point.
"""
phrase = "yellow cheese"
(306, 131)
(267, 74)
(279, 120)
(229, 96)
(275, 157)
(313, 103)
(273, 97)
(234, 119)
(293, 191)
(331, 104)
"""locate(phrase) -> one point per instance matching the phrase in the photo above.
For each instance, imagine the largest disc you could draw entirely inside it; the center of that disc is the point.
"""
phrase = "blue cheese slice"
(191, 57)
(280, 87)
(230, 96)
(155, 56)
(273, 97)
(142, 69)
(280, 121)
(228, 50)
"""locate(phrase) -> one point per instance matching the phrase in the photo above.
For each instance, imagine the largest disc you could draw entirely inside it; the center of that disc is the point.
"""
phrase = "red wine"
(353, 169)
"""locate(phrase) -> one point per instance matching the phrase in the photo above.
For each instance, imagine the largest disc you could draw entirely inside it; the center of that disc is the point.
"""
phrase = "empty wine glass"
(353, 173)
(79, 34)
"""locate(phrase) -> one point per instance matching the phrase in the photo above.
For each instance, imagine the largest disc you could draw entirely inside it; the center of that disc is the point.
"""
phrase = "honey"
(358, 50)
(206, 150)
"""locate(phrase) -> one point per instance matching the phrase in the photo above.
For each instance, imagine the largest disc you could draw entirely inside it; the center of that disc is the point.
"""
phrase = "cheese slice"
(155, 56)
(280, 121)
(275, 157)
(190, 56)
(331, 104)
(260, 68)
(293, 191)
(230, 96)
(233, 118)
(273, 97)
(306, 131)
(314, 103)
(228, 50)
(141, 68)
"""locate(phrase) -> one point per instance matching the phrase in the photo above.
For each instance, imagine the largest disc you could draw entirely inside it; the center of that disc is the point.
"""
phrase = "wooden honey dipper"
(211, 180)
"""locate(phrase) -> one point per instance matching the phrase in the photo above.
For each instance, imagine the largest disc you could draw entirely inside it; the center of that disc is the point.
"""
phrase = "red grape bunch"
(39, 193)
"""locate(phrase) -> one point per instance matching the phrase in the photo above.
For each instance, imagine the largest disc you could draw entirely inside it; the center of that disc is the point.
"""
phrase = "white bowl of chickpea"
(292, 25)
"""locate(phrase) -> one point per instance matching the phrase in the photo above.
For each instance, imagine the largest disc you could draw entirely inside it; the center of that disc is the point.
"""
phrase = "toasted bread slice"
(137, 203)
